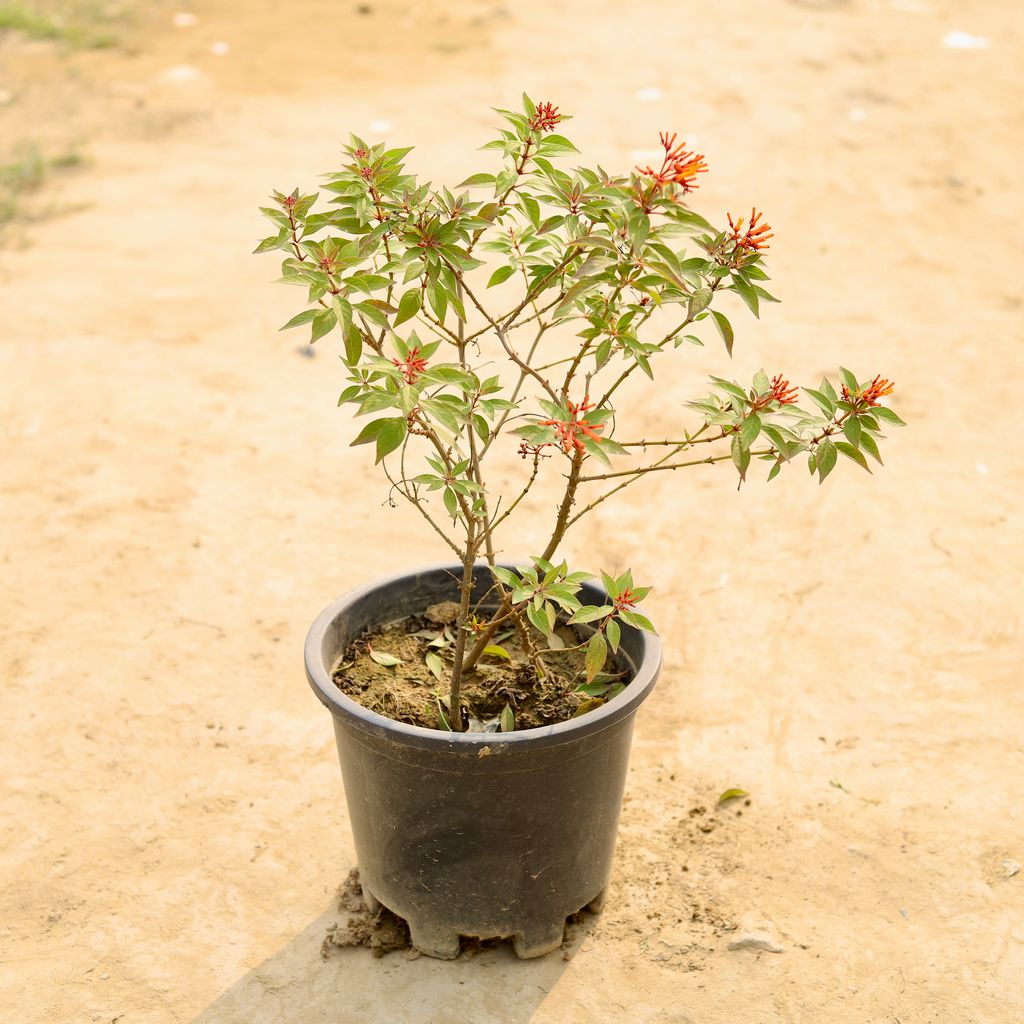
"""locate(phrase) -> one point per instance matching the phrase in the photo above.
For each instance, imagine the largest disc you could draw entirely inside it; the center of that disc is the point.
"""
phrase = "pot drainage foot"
(435, 942)
(373, 905)
(596, 905)
(538, 941)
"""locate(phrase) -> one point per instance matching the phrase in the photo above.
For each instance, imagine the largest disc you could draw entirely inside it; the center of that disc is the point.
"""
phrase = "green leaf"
(538, 616)
(852, 453)
(689, 219)
(494, 651)
(600, 241)
(731, 794)
(597, 654)
(507, 720)
(506, 576)
(342, 310)
(746, 293)
(390, 435)
(444, 374)
(730, 388)
(578, 289)
(724, 329)
(438, 300)
(323, 323)
(353, 344)
(377, 401)
(451, 503)
(385, 659)
(740, 455)
(867, 442)
(477, 181)
(638, 620)
(409, 305)
(555, 145)
(501, 274)
(852, 430)
(368, 433)
(590, 612)
(826, 459)
(749, 430)
(532, 208)
(699, 301)
(614, 634)
(278, 241)
(826, 404)
(884, 413)
(372, 313)
(434, 664)
(301, 318)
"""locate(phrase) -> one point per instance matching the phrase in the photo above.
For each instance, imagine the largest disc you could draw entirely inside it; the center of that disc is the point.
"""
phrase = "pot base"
(443, 944)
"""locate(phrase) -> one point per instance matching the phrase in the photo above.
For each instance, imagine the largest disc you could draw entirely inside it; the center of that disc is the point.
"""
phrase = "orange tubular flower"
(755, 239)
(781, 391)
(878, 388)
(678, 167)
(572, 431)
(545, 119)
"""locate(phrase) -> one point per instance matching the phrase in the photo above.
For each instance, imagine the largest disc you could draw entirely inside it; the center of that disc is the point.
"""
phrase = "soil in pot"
(401, 670)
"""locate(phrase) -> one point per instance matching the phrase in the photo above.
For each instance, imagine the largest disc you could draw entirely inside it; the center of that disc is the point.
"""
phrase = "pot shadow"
(485, 984)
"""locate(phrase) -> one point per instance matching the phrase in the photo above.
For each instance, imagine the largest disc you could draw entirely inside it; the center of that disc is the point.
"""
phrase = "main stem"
(466, 589)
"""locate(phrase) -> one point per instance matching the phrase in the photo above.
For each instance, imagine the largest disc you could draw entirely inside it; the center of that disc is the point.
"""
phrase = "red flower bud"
(545, 119)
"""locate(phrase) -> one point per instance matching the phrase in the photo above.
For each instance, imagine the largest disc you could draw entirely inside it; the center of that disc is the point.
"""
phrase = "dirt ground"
(178, 500)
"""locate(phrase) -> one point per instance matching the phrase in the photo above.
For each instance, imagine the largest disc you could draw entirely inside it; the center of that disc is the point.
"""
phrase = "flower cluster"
(678, 167)
(412, 366)
(878, 388)
(754, 239)
(545, 119)
(781, 391)
(571, 431)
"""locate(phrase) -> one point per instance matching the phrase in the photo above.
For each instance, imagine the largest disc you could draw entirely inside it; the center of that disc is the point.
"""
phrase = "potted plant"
(483, 710)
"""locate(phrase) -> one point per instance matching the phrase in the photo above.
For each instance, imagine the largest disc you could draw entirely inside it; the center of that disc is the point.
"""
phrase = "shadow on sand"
(299, 985)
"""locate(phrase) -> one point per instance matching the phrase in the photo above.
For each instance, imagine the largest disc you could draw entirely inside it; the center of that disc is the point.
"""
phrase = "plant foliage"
(612, 273)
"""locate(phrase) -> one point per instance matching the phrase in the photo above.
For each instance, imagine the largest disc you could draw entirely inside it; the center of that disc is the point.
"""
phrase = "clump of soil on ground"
(380, 933)
(402, 670)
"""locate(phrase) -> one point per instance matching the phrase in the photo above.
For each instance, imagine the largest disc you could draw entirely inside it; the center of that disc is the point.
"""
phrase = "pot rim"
(318, 673)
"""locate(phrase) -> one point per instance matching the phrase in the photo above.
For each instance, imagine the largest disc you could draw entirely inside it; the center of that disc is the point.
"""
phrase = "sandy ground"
(179, 501)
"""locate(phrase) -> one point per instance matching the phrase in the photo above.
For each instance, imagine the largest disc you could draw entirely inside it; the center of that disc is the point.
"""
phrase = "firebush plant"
(442, 377)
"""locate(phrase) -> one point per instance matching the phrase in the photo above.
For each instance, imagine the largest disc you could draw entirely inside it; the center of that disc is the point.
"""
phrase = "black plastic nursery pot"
(492, 835)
